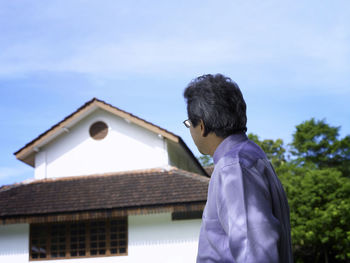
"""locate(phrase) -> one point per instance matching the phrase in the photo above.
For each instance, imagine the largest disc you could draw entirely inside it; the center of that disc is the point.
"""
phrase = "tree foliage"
(318, 143)
(205, 160)
(319, 201)
(318, 189)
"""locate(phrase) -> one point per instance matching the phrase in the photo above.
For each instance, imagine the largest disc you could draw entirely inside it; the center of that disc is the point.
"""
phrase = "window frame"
(187, 215)
(47, 227)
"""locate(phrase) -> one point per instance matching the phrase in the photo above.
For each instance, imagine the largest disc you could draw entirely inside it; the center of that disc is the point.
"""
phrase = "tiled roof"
(107, 191)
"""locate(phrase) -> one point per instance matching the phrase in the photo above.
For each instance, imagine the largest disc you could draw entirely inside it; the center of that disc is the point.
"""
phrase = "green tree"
(319, 193)
(205, 160)
(319, 201)
(316, 142)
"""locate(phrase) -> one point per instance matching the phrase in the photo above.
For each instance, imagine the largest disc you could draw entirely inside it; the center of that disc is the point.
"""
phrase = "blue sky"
(291, 60)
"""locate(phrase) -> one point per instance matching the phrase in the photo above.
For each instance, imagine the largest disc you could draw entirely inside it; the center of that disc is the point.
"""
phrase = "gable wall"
(126, 147)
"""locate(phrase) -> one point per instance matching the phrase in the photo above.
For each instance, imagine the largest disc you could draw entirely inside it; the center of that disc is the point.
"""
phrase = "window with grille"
(78, 239)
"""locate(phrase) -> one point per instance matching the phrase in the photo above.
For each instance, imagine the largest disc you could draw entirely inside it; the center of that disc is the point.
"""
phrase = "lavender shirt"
(246, 217)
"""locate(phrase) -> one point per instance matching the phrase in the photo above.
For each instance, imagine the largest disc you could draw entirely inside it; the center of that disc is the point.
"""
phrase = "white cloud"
(310, 41)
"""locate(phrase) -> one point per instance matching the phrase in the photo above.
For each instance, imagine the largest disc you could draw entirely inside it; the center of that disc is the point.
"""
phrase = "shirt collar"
(227, 144)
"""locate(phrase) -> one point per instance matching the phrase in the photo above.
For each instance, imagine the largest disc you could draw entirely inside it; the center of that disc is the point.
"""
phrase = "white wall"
(152, 238)
(156, 238)
(126, 147)
(14, 243)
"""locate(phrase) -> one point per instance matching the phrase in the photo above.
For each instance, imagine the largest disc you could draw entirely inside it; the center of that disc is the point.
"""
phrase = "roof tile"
(94, 192)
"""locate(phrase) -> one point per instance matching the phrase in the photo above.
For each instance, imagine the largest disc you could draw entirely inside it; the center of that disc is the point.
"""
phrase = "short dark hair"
(218, 101)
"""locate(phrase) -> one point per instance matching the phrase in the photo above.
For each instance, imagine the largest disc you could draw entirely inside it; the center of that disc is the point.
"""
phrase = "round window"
(98, 130)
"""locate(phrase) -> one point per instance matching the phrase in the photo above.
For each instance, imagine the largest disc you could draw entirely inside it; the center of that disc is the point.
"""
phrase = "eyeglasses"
(187, 123)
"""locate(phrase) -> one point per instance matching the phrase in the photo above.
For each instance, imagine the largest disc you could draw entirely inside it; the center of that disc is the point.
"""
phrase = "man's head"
(215, 102)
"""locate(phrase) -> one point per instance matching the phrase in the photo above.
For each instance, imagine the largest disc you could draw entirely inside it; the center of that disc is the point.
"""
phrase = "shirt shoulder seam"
(235, 160)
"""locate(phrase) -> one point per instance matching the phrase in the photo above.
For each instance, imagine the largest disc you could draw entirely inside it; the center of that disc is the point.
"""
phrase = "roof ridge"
(57, 124)
(135, 116)
(191, 174)
(160, 170)
(97, 175)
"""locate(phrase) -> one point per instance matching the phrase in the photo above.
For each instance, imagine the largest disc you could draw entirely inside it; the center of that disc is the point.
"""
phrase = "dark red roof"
(107, 191)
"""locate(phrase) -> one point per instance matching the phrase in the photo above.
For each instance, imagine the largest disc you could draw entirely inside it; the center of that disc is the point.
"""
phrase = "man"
(246, 217)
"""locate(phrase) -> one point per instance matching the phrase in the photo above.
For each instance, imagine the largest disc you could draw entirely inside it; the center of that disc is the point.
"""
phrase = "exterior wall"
(156, 238)
(126, 147)
(14, 243)
(152, 238)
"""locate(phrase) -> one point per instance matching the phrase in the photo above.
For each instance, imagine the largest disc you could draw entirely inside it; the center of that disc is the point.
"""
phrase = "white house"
(108, 187)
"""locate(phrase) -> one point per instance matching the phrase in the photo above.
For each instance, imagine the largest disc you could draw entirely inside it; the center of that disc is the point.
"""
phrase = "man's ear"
(202, 126)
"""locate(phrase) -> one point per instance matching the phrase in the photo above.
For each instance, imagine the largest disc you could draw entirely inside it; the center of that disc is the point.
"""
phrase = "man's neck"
(213, 142)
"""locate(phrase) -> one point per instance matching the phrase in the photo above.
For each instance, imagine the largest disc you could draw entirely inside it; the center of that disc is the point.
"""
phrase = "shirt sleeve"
(246, 215)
